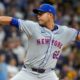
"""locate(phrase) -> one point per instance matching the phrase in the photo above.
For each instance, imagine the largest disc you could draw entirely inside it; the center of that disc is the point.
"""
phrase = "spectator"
(2, 9)
(12, 69)
(3, 66)
(2, 36)
(9, 53)
(59, 19)
(19, 50)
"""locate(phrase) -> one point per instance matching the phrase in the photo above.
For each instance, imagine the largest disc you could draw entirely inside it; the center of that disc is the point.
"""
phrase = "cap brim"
(38, 11)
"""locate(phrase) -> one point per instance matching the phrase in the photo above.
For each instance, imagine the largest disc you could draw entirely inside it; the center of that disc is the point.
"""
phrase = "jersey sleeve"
(27, 26)
(71, 34)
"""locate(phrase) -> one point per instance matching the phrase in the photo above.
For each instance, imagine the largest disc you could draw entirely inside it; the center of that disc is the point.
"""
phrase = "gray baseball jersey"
(45, 46)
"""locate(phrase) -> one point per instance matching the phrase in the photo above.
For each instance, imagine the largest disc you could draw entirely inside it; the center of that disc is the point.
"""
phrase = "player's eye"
(40, 13)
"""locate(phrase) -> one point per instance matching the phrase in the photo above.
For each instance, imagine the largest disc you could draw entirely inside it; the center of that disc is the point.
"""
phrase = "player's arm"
(5, 20)
(78, 36)
(27, 26)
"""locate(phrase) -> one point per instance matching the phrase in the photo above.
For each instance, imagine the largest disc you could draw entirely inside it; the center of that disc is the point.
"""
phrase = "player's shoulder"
(32, 25)
(67, 28)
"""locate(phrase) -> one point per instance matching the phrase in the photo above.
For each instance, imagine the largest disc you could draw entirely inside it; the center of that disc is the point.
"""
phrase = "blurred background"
(13, 43)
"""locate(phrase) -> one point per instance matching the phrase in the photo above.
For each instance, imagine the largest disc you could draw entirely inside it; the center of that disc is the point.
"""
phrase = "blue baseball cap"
(45, 8)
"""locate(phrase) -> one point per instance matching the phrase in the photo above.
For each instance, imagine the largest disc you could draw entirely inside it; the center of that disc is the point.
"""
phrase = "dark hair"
(2, 52)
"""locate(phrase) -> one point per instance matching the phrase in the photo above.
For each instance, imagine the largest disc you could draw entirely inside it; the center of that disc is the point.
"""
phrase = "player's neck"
(50, 25)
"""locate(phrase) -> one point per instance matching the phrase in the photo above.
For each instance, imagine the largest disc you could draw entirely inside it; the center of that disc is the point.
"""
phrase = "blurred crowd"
(14, 43)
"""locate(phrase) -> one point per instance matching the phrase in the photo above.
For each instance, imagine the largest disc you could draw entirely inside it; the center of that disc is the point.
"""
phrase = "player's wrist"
(14, 22)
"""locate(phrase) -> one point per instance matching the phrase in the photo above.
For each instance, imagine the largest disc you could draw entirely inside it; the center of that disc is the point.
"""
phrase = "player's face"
(43, 18)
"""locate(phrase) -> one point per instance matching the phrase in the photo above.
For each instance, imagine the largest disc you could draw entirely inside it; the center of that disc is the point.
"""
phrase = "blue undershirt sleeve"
(14, 22)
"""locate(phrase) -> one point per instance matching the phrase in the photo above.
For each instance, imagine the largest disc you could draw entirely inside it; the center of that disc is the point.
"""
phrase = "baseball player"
(45, 43)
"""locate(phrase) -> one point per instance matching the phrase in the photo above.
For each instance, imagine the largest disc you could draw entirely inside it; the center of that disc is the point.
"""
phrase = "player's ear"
(51, 15)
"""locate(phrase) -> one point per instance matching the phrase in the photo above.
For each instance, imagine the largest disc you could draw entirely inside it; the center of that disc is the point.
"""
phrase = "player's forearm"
(4, 20)
(78, 36)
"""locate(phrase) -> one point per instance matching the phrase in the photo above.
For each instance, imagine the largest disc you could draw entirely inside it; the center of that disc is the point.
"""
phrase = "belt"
(39, 70)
